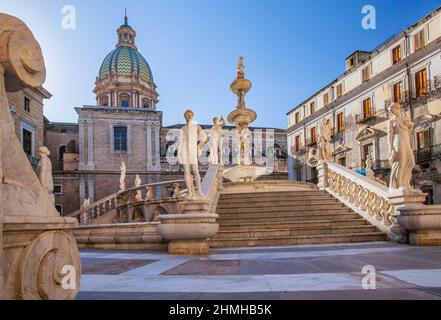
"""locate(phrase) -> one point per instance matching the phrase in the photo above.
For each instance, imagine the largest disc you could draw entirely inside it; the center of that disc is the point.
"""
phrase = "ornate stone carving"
(43, 265)
(37, 242)
(188, 152)
(402, 159)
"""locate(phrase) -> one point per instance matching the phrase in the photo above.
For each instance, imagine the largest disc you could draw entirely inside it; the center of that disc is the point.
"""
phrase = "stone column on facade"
(140, 100)
(149, 145)
(91, 188)
(81, 144)
(115, 99)
(90, 163)
(110, 99)
(82, 187)
(157, 147)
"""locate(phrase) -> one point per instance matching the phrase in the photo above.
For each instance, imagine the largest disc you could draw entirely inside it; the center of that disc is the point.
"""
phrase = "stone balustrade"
(370, 199)
(123, 202)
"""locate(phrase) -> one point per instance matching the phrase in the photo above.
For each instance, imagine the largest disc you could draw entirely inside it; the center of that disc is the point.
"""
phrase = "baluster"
(370, 203)
(363, 195)
(378, 207)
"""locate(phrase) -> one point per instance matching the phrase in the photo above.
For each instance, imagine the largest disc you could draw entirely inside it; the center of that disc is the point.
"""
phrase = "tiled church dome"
(126, 61)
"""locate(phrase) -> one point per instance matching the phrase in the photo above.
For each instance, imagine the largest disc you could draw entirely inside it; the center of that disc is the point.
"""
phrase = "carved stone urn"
(39, 256)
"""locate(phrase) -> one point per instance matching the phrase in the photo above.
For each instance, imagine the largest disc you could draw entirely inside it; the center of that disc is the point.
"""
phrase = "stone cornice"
(116, 110)
(400, 66)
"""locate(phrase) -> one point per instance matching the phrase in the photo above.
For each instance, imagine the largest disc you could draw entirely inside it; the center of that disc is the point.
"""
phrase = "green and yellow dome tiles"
(126, 61)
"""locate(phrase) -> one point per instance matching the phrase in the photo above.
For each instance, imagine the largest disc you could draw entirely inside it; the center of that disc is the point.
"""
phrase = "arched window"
(125, 100)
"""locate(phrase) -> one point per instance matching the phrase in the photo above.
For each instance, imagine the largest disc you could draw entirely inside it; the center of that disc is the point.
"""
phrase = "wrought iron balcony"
(427, 154)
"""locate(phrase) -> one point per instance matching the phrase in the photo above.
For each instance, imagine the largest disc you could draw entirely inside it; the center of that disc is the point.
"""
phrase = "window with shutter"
(421, 83)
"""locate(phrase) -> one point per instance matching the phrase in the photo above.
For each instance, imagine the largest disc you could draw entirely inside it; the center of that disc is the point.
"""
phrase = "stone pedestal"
(423, 224)
(187, 233)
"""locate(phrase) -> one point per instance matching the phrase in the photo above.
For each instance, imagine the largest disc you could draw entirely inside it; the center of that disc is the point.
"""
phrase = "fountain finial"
(240, 68)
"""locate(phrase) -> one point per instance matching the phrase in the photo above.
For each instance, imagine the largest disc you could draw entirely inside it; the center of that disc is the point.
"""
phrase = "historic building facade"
(405, 69)
(26, 108)
(124, 126)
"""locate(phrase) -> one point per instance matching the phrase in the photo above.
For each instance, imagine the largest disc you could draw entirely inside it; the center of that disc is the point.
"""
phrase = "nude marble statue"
(191, 139)
(401, 159)
(216, 141)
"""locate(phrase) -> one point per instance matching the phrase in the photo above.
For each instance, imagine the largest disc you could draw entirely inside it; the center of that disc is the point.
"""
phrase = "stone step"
(229, 234)
(270, 214)
(312, 193)
(287, 205)
(297, 240)
(291, 224)
(294, 199)
(281, 219)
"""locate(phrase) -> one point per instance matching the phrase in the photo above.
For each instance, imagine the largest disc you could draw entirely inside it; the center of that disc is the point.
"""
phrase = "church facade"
(126, 126)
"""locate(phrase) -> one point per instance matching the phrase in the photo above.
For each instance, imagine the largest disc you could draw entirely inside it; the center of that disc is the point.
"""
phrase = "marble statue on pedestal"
(401, 159)
(86, 203)
(369, 163)
(189, 150)
(138, 182)
(216, 141)
(45, 167)
(324, 149)
(122, 177)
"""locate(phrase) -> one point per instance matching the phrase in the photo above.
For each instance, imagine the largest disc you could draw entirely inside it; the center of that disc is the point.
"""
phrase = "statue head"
(43, 151)
(215, 120)
(395, 109)
(188, 115)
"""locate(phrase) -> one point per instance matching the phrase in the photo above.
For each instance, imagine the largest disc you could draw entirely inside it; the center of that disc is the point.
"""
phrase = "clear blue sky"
(291, 48)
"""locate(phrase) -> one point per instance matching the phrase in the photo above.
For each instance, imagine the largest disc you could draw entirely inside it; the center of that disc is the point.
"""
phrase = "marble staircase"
(288, 218)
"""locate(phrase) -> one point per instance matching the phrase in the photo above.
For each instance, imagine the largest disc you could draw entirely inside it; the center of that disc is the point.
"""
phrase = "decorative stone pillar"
(38, 248)
(157, 147)
(148, 127)
(82, 187)
(82, 164)
(91, 188)
(402, 198)
(90, 163)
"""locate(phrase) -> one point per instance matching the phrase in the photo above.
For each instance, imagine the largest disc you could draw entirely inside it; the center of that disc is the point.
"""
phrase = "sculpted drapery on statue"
(401, 159)
(324, 149)
(45, 166)
(216, 141)
(189, 150)
(37, 242)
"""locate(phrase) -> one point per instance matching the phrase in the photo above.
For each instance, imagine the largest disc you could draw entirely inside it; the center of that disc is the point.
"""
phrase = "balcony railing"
(427, 154)
(311, 142)
(364, 118)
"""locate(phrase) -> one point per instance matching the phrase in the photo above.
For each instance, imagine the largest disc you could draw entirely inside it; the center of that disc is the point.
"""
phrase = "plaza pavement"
(265, 273)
